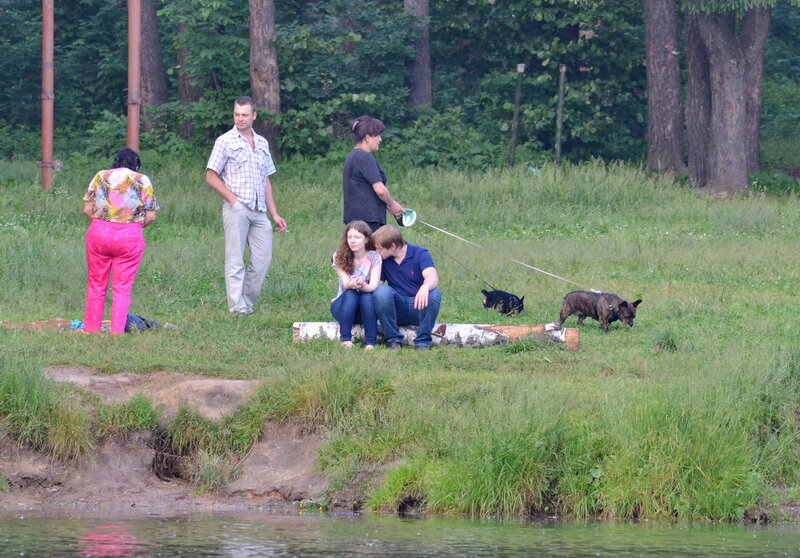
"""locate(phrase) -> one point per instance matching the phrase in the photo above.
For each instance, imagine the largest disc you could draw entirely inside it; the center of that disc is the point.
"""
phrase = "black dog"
(503, 302)
(603, 307)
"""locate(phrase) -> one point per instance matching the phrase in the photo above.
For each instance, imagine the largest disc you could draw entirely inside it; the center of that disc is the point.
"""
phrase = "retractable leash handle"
(407, 218)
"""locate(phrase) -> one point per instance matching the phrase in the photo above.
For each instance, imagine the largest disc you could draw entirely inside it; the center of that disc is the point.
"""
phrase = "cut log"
(459, 335)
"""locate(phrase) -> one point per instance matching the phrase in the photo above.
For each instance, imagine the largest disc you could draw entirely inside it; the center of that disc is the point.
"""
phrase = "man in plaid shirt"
(238, 170)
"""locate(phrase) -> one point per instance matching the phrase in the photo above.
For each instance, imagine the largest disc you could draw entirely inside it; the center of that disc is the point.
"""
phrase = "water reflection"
(111, 540)
(349, 536)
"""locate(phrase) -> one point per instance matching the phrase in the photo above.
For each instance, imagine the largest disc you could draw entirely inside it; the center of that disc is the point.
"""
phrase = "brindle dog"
(603, 307)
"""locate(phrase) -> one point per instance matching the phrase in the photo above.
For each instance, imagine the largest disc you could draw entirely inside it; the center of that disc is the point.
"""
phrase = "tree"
(154, 79)
(729, 53)
(264, 80)
(664, 106)
(725, 44)
(419, 68)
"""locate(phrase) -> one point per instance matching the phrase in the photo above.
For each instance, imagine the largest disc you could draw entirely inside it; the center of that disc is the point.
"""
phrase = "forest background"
(337, 59)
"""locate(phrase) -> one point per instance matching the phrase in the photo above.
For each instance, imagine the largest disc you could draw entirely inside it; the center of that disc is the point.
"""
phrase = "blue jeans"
(394, 310)
(353, 307)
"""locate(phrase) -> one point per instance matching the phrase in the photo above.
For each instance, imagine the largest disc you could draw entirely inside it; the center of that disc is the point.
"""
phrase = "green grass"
(691, 414)
(118, 418)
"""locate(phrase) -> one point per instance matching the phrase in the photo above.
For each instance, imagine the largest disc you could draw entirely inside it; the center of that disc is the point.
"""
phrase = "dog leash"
(410, 217)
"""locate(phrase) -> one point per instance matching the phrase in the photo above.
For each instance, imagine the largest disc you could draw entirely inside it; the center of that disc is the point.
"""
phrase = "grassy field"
(690, 414)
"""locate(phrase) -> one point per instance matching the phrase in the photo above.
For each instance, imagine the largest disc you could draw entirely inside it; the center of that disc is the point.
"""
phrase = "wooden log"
(459, 335)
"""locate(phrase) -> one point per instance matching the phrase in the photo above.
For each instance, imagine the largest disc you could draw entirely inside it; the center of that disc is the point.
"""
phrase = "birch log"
(459, 335)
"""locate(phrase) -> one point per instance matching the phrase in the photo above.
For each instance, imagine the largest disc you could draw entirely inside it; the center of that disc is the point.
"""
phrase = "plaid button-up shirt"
(243, 170)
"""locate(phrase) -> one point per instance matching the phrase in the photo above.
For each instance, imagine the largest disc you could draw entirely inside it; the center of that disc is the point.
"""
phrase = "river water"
(349, 536)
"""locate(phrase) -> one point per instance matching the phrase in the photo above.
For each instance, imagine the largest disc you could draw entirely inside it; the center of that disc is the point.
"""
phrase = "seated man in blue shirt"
(410, 295)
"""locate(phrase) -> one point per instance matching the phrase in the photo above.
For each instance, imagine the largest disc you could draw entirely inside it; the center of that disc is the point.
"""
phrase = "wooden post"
(562, 71)
(515, 121)
(134, 72)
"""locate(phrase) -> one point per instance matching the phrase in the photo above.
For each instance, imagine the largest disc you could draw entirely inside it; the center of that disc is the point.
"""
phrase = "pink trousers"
(113, 249)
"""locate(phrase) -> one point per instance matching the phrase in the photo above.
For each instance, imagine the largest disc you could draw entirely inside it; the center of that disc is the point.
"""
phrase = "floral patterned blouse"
(121, 196)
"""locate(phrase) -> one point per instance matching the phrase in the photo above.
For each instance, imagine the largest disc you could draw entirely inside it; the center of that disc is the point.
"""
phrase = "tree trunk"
(727, 160)
(664, 107)
(188, 92)
(731, 65)
(698, 103)
(754, 37)
(419, 69)
(264, 80)
(154, 79)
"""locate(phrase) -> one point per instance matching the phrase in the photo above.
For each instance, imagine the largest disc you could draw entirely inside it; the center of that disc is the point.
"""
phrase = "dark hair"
(127, 158)
(365, 126)
(245, 100)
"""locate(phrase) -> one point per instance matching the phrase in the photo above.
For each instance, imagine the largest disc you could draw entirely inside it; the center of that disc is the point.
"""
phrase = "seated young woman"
(359, 269)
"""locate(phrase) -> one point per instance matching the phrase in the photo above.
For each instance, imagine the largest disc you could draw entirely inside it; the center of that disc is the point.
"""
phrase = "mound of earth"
(277, 472)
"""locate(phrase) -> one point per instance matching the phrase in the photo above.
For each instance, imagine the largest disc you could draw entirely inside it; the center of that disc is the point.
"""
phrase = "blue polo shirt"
(406, 277)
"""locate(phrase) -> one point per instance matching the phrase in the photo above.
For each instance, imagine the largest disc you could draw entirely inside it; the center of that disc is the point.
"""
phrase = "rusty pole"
(48, 92)
(134, 71)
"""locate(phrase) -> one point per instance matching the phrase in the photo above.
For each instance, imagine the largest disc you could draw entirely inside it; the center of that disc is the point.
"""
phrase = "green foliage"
(210, 473)
(103, 138)
(780, 112)
(725, 6)
(136, 414)
(68, 435)
(34, 409)
(27, 398)
(189, 432)
(777, 182)
(341, 60)
(666, 341)
(445, 138)
(477, 47)
(215, 35)
(18, 141)
(338, 60)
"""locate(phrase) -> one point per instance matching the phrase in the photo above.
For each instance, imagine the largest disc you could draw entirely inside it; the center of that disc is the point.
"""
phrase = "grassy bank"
(691, 414)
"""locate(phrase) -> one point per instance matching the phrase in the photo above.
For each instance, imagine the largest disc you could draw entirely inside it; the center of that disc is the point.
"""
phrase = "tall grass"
(691, 414)
(38, 413)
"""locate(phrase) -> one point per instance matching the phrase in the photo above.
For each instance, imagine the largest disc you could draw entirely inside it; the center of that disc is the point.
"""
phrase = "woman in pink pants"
(120, 202)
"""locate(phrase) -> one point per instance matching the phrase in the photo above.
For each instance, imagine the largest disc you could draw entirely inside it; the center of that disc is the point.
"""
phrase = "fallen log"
(459, 335)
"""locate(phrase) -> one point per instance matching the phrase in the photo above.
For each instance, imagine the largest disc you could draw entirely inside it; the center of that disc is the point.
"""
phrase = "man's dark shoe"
(394, 346)
(422, 347)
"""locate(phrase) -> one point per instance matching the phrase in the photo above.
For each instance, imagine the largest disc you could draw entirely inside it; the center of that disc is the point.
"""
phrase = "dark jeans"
(353, 307)
(394, 310)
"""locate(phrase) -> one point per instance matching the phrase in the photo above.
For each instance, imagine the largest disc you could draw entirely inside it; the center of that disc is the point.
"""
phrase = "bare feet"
(347, 344)
(369, 347)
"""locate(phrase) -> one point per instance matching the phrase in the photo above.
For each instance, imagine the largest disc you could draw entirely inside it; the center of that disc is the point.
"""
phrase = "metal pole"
(134, 71)
(48, 92)
(562, 69)
(515, 122)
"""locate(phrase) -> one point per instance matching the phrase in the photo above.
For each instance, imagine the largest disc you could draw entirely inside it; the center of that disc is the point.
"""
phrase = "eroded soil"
(278, 471)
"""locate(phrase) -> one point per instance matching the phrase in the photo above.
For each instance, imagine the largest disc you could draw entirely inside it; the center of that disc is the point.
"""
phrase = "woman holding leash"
(366, 197)
(358, 267)
(120, 202)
